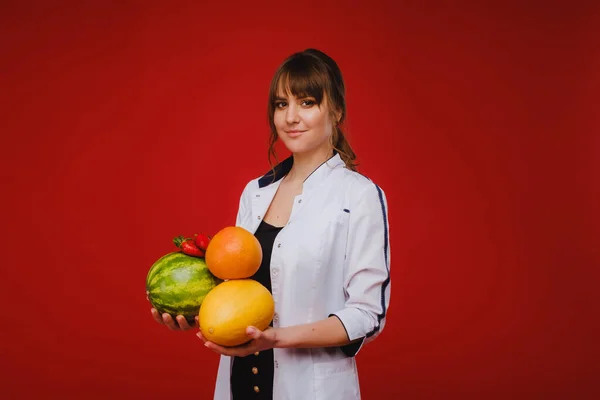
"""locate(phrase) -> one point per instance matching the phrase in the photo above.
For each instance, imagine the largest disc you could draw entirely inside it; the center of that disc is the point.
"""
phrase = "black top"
(252, 376)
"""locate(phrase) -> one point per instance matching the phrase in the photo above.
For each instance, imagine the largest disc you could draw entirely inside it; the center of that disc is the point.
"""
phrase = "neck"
(306, 163)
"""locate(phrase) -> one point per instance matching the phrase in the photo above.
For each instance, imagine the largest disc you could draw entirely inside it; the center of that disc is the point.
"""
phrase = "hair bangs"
(301, 77)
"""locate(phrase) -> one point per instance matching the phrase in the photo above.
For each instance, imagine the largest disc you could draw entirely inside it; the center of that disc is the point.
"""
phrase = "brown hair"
(312, 73)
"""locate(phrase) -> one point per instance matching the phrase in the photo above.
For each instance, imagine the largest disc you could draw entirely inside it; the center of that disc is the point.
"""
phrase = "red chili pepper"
(188, 246)
(202, 241)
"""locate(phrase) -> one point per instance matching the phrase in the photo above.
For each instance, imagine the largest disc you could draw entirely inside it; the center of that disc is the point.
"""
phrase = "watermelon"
(177, 284)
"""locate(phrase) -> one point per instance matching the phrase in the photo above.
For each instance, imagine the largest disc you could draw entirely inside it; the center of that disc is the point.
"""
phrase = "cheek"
(280, 125)
(319, 123)
(278, 120)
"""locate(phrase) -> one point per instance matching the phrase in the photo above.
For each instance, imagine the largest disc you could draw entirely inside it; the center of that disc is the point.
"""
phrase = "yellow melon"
(230, 307)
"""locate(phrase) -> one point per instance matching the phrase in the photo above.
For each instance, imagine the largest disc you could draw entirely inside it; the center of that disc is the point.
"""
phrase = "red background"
(127, 123)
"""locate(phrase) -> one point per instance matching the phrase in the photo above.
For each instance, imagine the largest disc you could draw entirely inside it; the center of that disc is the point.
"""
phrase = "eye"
(280, 104)
(308, 103)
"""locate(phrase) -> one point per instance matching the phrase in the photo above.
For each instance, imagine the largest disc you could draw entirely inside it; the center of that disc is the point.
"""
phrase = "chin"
(303, 145)
(297, 149)
(297, 146)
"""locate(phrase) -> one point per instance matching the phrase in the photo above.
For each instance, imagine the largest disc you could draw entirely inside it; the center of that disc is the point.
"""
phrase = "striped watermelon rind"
(177, 284)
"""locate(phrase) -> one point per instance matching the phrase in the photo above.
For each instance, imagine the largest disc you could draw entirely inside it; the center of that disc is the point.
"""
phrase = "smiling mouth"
(294, 133)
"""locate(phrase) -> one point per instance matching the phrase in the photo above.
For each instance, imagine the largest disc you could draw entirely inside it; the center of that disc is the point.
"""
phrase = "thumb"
(253, 332)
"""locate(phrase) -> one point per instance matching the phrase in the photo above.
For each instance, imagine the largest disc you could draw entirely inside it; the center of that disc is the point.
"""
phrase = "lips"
(294, 133)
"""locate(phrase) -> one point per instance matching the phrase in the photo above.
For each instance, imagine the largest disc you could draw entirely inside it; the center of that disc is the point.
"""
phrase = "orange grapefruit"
(233, 253)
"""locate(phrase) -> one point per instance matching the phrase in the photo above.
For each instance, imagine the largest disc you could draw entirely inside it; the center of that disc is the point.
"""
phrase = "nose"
(291, 114)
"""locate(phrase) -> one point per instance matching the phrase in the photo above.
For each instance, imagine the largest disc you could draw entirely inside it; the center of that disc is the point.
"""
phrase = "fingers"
(156, 316)
(238, 351)
(177, 324)
(184, 325)
(221, 350)
(214, 347)
(168, 321)
(242, 350)
(253, 333)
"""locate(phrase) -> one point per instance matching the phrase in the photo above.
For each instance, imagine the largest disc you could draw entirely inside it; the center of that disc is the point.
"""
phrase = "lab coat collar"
(316, 177)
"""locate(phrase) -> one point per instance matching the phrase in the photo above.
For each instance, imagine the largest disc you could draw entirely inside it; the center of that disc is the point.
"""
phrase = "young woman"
(323, 228)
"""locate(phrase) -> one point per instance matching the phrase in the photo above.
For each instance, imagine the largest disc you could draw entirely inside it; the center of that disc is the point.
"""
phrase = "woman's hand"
(179, 324)
(260, 341)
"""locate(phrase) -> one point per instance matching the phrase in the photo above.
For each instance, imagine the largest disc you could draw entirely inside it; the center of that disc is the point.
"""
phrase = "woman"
(324, 232)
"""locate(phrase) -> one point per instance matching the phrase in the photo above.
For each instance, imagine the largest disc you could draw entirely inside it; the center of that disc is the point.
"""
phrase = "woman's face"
(301, 124)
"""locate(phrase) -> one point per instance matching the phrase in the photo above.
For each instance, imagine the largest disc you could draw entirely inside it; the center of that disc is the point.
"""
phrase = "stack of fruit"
(210, 278)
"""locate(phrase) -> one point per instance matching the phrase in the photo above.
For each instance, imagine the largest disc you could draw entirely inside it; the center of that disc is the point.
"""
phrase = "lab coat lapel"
(261, 200)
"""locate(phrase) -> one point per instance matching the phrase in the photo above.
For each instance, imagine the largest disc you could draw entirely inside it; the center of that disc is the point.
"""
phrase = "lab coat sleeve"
(367, 270)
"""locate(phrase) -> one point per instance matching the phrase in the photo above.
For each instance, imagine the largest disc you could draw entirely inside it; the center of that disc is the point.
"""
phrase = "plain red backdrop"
(127, 123)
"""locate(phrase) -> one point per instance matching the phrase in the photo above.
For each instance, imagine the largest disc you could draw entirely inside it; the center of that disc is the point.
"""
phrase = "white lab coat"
(332, 257)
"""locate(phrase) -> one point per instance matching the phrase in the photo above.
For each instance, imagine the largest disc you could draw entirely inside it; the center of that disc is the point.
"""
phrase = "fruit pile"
(210, 278)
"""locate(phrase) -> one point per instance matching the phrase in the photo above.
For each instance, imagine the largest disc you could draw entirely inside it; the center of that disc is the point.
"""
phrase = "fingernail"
(207, 345)
(250, 331)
